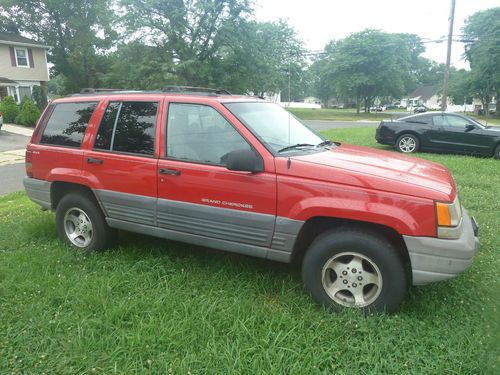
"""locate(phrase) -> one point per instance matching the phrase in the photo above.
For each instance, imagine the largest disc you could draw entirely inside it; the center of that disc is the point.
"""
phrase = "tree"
(322, 80)
(79, 32)
(262, 58)
(427, 73)
(460, 89)
(373, 63)
(189, 33)
(138, 66)
(482, 50)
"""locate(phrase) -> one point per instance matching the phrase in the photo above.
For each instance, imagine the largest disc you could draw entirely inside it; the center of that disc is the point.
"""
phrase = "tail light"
(27, 164)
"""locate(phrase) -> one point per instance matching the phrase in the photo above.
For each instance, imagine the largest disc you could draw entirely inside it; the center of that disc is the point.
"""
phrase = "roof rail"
(195, 90)
(91, 90)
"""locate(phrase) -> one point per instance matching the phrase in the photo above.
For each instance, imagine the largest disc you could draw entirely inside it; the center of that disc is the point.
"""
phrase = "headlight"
(449, 219)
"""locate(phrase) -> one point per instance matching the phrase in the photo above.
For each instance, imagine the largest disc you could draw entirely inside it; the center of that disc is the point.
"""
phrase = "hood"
(493, 130)
(379, 170)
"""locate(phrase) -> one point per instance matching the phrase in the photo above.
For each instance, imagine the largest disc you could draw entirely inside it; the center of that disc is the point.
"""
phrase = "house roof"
(10, 38)
(6, 80)
(423, 92)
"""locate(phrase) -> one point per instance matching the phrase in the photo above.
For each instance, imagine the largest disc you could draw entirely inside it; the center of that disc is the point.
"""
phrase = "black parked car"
(440, 132)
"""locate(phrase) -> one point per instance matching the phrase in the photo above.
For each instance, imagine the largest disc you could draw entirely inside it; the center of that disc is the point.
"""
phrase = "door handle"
(172, 172)
(94, 161)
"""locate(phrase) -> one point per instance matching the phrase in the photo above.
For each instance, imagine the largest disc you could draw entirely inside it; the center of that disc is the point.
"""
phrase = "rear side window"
(67, 124)
(128, 127)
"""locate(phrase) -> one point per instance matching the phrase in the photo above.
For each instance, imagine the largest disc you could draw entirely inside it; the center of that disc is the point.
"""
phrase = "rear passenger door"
(198, 195)
(122, 159)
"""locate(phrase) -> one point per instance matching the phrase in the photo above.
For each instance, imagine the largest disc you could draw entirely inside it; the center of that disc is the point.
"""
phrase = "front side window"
(22, 57)
(199, 133)
(274, 126)
(128, 127)
(68, 123)
(453, 121)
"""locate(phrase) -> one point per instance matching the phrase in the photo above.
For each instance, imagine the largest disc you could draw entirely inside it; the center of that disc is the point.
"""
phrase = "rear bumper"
(38, 191)
(435, 259)
(384, 136)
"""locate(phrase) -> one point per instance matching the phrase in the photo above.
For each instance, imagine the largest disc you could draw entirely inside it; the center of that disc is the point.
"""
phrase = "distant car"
(420, 109)
(440, 132)
(377, 109)
(391, 106)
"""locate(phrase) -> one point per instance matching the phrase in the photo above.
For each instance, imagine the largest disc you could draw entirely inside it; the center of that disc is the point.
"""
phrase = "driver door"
(455, 137)
(197, 194)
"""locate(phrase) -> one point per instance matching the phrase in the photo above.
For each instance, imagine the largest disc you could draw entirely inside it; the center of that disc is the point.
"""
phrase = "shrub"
(29, 113)
(9, 109)
(40, 96)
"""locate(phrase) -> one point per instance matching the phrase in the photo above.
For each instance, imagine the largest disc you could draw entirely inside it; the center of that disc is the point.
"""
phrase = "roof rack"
(194, 90)
(90, 90)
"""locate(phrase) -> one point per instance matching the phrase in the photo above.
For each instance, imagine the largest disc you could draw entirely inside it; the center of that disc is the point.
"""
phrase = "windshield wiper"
(324, 143)
(298, 145)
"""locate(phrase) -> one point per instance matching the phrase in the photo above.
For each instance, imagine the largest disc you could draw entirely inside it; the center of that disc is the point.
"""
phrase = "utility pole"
(444, 101)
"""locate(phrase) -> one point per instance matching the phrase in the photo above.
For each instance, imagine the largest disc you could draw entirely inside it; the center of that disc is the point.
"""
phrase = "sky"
(319, 21)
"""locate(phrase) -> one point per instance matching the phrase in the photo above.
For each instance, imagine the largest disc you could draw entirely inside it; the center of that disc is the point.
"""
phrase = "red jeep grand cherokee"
(242, 175)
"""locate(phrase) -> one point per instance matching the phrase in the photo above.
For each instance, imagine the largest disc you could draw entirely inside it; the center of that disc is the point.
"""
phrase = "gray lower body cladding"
(232, 230)
(38, 191)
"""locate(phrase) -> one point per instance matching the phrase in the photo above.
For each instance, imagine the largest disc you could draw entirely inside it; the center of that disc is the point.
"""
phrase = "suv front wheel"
(81, 224)
(350, 268)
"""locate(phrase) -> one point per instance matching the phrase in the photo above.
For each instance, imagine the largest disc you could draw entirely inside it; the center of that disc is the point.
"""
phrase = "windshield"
(274, 126)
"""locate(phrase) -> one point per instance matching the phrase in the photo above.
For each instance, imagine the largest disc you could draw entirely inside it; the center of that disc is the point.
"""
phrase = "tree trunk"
(358, 103)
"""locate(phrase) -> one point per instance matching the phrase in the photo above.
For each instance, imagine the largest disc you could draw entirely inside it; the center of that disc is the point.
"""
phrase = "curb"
(16, 129)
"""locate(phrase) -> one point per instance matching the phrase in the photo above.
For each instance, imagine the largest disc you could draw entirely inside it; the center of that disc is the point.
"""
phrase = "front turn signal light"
(443, 214)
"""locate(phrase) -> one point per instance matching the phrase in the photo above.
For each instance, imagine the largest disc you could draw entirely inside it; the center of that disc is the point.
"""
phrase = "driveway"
(13, 140)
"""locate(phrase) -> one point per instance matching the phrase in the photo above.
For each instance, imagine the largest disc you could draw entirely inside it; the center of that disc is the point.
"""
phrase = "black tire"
(496, 155)
(100, 235)
(328, 249)
(407, 143)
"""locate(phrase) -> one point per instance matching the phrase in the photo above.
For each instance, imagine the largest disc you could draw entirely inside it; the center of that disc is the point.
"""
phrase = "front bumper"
(436, 259)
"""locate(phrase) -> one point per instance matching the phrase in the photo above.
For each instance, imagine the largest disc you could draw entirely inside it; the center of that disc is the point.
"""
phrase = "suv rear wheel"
(81, 224)
(350, 268)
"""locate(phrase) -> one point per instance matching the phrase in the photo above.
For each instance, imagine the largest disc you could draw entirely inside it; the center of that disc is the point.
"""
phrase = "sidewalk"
(17, 129)
(12, 157)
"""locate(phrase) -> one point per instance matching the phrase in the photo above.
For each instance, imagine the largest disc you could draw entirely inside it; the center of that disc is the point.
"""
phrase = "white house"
(23, 65)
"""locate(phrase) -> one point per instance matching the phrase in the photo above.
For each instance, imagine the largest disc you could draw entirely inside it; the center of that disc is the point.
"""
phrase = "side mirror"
(244, 160)
(469, 127)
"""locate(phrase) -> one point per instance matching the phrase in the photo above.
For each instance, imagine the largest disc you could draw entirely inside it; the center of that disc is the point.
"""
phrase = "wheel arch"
(412, 132)
(315, 226)
(59, 189)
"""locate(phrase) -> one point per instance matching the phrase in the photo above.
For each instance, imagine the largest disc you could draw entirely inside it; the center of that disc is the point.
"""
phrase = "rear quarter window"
(67, 124)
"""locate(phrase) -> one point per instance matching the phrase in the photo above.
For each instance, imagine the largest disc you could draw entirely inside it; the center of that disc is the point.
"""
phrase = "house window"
(22, 57)
(24, 91)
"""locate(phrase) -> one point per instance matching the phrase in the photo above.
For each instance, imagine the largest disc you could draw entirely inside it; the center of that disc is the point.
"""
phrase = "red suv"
(241, 174)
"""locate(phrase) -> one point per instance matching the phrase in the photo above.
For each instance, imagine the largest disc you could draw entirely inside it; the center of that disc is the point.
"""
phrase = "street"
(326, 125)
(13, 141)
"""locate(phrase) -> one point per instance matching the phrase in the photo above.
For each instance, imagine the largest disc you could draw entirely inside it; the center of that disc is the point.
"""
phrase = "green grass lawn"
(338, 114)
(160, 307)
(328, 114)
